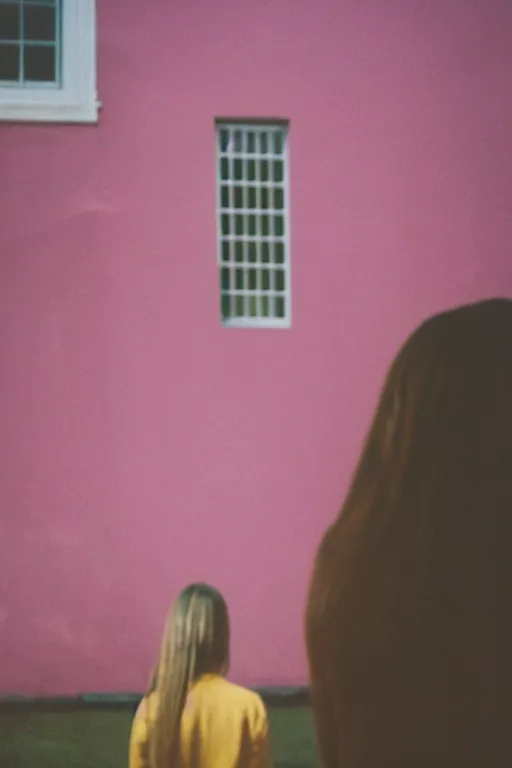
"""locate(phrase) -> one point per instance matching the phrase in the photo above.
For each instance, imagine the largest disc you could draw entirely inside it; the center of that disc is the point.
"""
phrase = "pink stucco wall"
(142, 445)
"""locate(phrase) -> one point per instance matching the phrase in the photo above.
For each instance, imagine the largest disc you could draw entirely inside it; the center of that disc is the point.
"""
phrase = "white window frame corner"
(76, 101)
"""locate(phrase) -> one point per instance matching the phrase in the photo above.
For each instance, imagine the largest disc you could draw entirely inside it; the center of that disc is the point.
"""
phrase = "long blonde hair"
(195, 643)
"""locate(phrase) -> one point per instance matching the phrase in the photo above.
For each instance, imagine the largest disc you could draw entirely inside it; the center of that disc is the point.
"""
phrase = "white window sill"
(44, 112)
(257, 323)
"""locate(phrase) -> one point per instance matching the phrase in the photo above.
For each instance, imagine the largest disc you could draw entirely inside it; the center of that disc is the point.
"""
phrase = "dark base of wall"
(273, 697)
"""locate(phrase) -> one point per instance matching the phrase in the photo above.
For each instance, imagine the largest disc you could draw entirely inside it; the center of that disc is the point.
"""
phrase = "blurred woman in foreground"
(409, 616)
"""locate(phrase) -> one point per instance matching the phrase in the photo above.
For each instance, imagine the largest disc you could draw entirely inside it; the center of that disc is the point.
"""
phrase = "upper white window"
(48, 61)
(253, 224)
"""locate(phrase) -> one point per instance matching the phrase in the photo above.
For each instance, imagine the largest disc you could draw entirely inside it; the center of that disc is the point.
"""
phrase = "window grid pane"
(253, 238)
(30, 43)
(244, 201)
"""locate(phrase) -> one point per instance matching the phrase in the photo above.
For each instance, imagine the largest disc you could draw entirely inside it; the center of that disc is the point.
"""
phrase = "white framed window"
(253, 224)
(48, 61)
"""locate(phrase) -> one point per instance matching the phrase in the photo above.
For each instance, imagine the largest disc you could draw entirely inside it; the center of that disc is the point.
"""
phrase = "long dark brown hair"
(195, 642)
(409, 615)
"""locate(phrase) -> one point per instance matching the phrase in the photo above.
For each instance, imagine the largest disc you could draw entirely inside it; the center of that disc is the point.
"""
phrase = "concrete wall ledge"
(272, 696)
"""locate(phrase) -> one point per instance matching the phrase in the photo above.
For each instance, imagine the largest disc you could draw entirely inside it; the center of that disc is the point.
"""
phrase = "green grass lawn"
(99, 738)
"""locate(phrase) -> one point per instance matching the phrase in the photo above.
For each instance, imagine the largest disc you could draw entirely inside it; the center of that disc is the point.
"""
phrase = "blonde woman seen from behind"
(192, 717)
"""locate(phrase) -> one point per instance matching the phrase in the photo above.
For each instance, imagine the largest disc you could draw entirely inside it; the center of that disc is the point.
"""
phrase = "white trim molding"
(75, 99)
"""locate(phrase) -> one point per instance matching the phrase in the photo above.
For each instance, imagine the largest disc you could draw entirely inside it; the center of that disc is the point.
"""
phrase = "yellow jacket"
(223, 726)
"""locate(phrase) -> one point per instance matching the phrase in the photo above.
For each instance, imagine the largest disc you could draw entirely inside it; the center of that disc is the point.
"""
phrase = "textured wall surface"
(143, 445)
